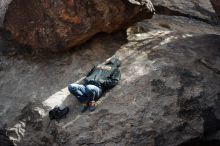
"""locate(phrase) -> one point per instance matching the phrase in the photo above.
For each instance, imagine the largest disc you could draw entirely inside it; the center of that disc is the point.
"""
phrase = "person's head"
(114, 61)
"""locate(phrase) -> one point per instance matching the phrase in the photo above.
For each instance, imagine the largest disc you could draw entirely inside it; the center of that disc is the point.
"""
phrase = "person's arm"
(112, 80)
(90, 72)
(93, 68)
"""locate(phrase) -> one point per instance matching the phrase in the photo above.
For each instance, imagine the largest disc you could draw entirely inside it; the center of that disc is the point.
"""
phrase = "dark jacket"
(105, 75)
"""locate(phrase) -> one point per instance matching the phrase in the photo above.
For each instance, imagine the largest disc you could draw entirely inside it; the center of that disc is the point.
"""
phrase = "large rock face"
(216, 6)
(168, 95)
(62, 24)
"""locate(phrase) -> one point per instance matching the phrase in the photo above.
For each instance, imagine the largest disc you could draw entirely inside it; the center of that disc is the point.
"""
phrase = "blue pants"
(85, 93)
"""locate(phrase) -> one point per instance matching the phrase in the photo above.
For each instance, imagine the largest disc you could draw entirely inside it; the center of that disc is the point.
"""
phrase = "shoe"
(92, 106)
(84, 107)
(58, 113)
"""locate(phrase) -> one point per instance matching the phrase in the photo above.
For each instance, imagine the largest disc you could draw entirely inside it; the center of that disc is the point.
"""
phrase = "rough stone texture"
(169, 94)
(199, 9)
(216, 6)
(63, 24)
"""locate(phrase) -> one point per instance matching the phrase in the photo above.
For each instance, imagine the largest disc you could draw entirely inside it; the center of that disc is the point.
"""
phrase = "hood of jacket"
(114, 61)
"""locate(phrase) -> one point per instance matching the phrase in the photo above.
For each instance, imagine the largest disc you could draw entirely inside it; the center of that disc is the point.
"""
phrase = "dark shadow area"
(201, 142)
(10, 48)
(4, 138)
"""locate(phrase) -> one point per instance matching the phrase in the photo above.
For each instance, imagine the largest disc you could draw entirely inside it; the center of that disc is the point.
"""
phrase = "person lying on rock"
(101, 77)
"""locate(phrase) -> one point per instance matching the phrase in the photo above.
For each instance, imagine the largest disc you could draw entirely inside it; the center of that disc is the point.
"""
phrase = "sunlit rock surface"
(169, 93)
(63, 24)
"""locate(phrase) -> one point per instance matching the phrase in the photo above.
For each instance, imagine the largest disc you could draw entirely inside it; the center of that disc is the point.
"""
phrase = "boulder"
(199, 9)
(63, 24)
(216, 6)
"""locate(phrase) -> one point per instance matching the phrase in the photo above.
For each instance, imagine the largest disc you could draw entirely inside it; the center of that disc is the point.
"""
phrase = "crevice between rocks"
(166, 11)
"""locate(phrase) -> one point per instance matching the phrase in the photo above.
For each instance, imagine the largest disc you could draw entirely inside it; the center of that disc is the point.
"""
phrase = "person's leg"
(93, 92)
(78, 91)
